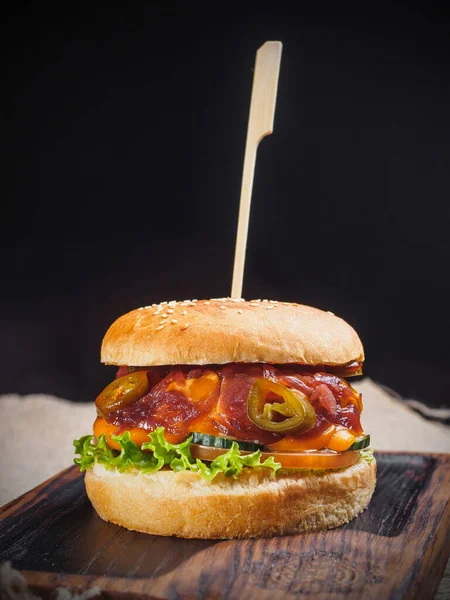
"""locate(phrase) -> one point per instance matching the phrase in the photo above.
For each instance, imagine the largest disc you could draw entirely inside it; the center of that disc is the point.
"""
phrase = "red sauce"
(224, 410)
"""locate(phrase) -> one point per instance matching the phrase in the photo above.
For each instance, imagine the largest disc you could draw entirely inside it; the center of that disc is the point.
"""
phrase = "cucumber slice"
(360, 443)
(219, 442)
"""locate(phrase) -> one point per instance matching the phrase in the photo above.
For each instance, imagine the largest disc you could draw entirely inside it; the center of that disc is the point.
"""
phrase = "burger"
(229, 418)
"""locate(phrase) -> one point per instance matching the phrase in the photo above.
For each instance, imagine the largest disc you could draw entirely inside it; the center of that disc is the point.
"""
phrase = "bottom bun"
(256, 504)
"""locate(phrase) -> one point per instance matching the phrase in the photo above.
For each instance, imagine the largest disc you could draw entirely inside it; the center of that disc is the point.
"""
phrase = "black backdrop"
(123, 136)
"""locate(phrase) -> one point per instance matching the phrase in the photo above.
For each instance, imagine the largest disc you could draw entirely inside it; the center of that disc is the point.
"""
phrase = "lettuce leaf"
(130, 455)
(364, 455)
(231, 463)
(176, 456)
(367, 455)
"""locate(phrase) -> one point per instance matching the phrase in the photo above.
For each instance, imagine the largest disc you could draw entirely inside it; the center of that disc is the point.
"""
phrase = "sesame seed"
(265, 300)
(164, 315)
(184, 312)
(207, 302)
(174, 321)
(273, 301)
(172, 302)
(240, 311)
(330, 313)
(254, 304)
(160, 327)
(223, 307)
(194, 300)
(165, 302)
(270, 306)
(170, 310)
(163, 322)
(185, 326)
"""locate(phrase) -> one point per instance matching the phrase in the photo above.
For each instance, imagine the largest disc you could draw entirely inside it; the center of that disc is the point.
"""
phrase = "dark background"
(123, 137)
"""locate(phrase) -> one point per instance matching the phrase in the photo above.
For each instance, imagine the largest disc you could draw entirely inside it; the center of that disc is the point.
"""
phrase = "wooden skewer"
(260, 124)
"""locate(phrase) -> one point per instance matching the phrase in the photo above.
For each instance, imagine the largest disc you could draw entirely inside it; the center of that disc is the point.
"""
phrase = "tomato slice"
(325, 459)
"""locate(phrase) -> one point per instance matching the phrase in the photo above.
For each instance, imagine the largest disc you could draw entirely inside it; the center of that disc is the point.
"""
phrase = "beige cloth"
(37, 432)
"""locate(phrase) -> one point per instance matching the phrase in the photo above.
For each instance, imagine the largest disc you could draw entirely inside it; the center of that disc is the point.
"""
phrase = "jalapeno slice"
(295, 413)
(122, 392)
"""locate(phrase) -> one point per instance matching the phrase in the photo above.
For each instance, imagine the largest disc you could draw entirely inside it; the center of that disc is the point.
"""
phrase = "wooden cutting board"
(397, 549)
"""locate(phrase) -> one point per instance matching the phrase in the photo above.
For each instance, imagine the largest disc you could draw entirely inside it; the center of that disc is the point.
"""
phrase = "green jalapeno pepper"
(122, 392)
(294, 414)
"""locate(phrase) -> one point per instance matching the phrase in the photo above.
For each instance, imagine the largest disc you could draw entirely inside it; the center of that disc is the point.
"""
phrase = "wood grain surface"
(397, 549)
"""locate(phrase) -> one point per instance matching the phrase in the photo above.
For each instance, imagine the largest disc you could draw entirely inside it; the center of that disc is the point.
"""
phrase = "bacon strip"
(224, 411)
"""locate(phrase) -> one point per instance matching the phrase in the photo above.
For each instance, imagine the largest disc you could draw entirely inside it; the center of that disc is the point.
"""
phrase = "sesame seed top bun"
(226, 330)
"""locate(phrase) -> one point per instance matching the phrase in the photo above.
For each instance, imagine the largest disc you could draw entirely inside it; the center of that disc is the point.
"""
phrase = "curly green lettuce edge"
(176, 456)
